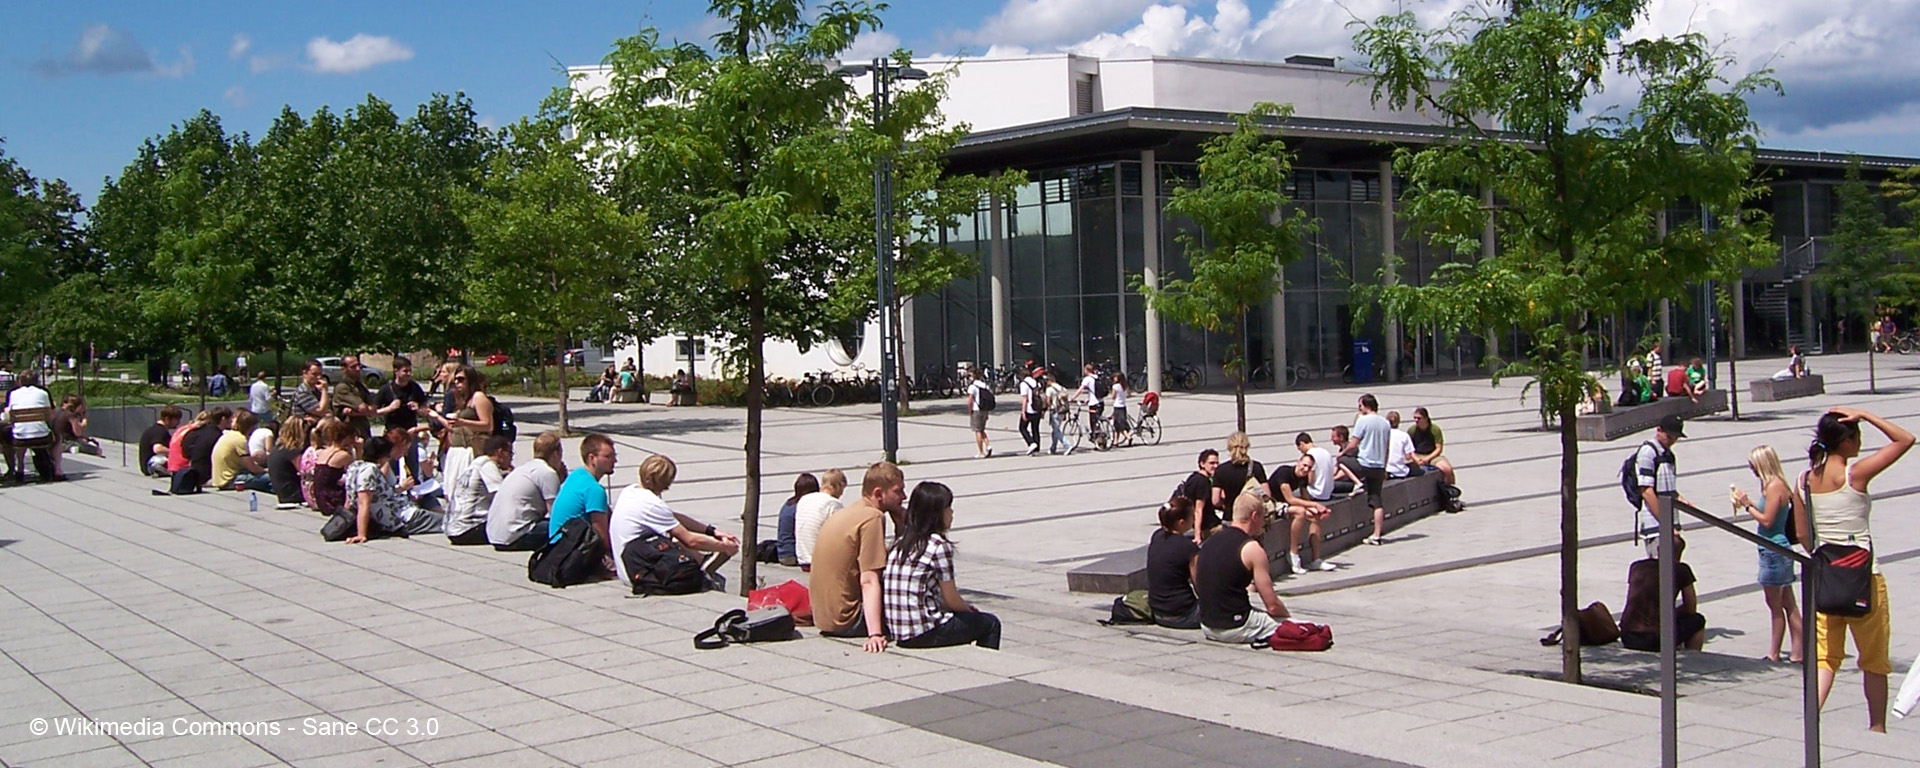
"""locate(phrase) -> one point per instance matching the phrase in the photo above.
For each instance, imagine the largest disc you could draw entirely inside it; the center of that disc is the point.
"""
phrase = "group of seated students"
(30, 423)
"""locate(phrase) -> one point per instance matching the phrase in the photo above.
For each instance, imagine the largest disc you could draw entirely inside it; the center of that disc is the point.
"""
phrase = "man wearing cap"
(1646, 463)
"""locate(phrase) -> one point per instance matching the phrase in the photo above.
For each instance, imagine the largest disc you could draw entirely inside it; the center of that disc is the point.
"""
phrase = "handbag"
(1299, 636)
(339, 526)
(742, 626)
(1843, 580)
(791, 595)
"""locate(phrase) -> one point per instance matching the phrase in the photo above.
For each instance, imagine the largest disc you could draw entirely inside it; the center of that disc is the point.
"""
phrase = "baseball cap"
(1672, 425)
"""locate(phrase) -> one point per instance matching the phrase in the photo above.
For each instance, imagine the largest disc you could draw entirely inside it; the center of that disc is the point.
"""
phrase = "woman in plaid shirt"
(924, 608)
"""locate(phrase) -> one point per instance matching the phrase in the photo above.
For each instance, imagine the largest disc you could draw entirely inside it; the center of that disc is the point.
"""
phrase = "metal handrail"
(1809, 678)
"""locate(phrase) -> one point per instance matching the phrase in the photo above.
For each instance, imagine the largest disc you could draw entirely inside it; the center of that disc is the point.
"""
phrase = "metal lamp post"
(884, 73)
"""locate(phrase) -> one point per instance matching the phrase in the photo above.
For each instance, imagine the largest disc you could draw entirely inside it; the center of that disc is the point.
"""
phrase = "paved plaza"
(220, 638)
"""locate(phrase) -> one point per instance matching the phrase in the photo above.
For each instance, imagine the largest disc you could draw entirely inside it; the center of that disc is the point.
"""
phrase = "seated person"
(923, 606)
(850, 556)
(154, 441)
(474, 492)
(1341, 470)
(335, 441)
(70, 425)
(1170, 558)
(1635, 389)
(642, 513)
(1230, 478)
(517, 519)
(1429, 443)
(787, 536)
(380, 507)
(1346, 452)
(176, 444)
(283, 463)
(1230, 563)
(1400, 463)
(234, 469)
(1676, 383)
(259, 435)
(1289, 485)
(37, 434)
(1796, 365)
(199, 446)
(629, 380)
(1696, 379)
(603, 388)
(811, 511)
(1640, 620)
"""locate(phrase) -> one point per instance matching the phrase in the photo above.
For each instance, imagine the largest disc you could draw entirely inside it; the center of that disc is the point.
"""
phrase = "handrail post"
(1665, 487)
(1809, 668)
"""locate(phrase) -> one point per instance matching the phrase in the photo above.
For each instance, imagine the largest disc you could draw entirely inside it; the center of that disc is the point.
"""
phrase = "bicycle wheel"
(1262, 377)
(823, 394)
(1102, 439)
(1137, 381)
(1147, 432)
(1074, 434)
(1903, 344)
(1189, 378)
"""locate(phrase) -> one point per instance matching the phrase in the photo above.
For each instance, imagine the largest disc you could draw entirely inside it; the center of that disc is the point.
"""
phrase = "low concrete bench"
(1626, 421)
(630, 396)
(1773, 390)
(1351, 521)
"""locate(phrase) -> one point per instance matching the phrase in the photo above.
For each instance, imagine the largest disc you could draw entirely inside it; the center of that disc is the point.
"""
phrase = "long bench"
(1351, 521)
(1619, 422)
(1774, 390)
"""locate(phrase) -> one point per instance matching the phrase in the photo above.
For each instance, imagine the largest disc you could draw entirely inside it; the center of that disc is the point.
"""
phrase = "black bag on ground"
(1843, 580)
(742, 626)
(658, 565)
(1130, 608)
(339, 526)
(574, 559)
(768, 551)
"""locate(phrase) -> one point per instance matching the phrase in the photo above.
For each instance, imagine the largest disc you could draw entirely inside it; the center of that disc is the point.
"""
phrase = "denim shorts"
(1776, 570)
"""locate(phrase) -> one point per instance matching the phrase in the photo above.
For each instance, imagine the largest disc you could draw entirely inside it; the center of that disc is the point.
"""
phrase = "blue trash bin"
(1363, 361)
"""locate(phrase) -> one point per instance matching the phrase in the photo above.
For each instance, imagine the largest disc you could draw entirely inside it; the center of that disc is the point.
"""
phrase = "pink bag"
(1301, 636)
(791, 595)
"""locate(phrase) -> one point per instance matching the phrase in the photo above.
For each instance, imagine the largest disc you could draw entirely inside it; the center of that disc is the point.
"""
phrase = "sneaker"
(979, 455)
(1376, 540)
(1033, 449)
(286, 506)
(1294, 559)
(1322, 565)
(989, 454)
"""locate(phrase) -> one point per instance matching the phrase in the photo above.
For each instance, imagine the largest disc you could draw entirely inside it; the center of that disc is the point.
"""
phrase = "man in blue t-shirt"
(1374, 434)
(582, 495)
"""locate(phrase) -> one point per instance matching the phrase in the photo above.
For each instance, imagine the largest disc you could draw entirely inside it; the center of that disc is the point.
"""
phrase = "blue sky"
(82, 83)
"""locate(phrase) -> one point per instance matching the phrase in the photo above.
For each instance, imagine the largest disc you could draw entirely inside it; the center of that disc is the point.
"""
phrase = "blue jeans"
(1059, 436)
(789, 542)
(246, 482)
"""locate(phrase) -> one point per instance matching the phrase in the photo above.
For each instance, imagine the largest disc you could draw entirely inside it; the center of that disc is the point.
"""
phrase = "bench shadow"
(672, 427)
(1882, 391)
(4, 543)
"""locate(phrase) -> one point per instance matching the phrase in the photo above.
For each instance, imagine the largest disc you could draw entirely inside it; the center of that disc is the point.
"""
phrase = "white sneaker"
(1322, 565)
(1294, 560)
(989, 453)
(1033, 449)
(1376, 540)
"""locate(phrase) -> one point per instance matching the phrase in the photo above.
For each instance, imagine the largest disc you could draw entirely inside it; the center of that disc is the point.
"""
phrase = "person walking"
(1030, 410)
(1776, 570)
(1836, 490)
(1058, 402)
(979, 400)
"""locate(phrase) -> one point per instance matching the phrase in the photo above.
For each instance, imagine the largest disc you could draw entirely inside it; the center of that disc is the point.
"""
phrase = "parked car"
(369, 375)
(574, 357)
(497, 358)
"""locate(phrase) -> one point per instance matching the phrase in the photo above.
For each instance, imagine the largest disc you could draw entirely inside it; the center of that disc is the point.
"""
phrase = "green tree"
(1861, 270)
(544, 242)
(29, 228)
(1246, 236)
(742, 160)
(1579, 183)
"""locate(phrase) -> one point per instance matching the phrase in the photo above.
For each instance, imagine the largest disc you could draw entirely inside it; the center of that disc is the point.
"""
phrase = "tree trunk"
(1569, 546)
(1733, 385)
(563, 389)
(279, 367)
(756, 402)
(204, 354)
(1239, 373)
(1873, 382)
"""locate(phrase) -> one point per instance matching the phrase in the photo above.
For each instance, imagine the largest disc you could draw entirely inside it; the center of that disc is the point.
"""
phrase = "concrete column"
(1666, 305)
(1390, 273)
(999, 270)
(1489, 238)
(1739, 319)
(1809, 329)
(907, 360)
(1150, 269)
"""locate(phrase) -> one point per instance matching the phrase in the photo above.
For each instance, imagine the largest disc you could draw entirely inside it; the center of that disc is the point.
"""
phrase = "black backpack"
(658, 565)
(1630, 474)
(985, 394)
(503, 423)
(574, 559)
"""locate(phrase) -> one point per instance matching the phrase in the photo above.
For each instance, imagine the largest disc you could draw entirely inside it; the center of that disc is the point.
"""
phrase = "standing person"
(1198, 488)
(1231, 477)
(470, 423)
(923, 606)
(1646, 467)
(812, 511)
(1058, 401)
(311, 399)
(1122, 429)
(1430, 445)
(260, 398)
(642, 511)
(1653, 371)
(1375, 437)
(850, 557)
(581, 494)
(476, 488)
(787, 540)
(351, 398)
(381, 508)
(1841, 511)
(977, 397)
(186, 371)
(1089, 391)
(217, 384)
(283, 463)
(398, 403)
(1229, 564)
(517, 519)
(154, 441)
(1030, 410)
(1776, 570)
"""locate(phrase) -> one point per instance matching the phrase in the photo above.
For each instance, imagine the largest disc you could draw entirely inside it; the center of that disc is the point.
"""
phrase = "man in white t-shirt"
(476, 488)
(260, 398)
(640, 512)
(1030, 410)
(517, 519)
(812, 510)
(977, 392)
(1400, 450)
(29, 395)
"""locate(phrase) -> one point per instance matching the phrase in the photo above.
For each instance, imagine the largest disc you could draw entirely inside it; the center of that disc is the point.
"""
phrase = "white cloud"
(238, 96)
(1052, 23)
(241, 44)
(180, 68)
(871, 45)
(106, 50)
(357, 53)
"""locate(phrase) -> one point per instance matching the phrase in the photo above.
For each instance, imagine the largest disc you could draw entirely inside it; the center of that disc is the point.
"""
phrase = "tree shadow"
(673, 427)
(1618, 668)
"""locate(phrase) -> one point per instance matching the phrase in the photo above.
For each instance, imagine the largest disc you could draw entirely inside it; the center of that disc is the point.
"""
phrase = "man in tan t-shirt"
(849, 557)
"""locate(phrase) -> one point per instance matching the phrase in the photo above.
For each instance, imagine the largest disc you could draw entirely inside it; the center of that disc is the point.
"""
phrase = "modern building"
(1105, 141)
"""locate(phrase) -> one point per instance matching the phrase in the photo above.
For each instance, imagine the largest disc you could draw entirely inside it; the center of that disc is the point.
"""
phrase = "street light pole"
(884, 73)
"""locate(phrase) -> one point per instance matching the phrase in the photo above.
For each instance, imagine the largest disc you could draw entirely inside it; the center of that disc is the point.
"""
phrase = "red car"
(497, 358)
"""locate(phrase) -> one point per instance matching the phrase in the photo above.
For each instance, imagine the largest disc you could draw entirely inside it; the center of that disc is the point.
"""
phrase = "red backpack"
(1300, 636)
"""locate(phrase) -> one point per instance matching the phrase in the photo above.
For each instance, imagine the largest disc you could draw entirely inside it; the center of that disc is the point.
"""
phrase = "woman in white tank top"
(1837, 488)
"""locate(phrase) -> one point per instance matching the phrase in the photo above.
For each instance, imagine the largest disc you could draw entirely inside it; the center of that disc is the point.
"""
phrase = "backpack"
(1102, 387)
(574, 559)
(1630, 474)
(1299, 636)
(984, 394)
(503, 423)
(1037, 395)
(658, 565)
(1130, 608)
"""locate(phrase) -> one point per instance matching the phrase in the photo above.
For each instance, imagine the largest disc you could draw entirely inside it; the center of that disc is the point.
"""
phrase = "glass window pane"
(1063, 331)
(1029, 329)
(1024, 252)
(1133, 237)
(1337, 268)
(1136, 351)
(1062, 266)
(1099, 323)
(1099, 265)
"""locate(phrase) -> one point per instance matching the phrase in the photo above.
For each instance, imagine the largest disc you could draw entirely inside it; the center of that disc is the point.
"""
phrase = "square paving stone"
(991, 725)
(1053, 744)
(929, 709)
